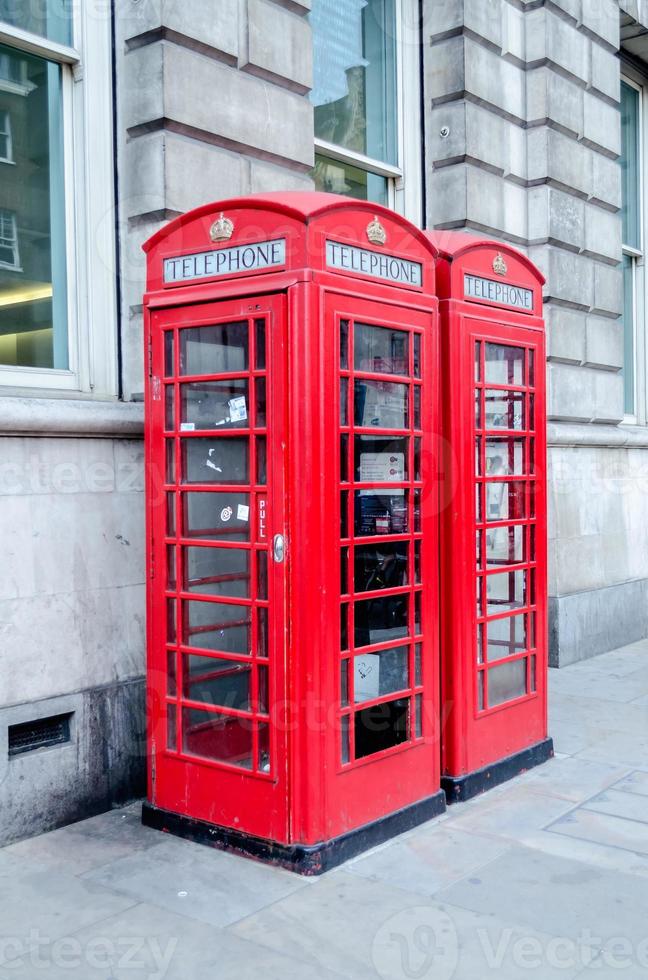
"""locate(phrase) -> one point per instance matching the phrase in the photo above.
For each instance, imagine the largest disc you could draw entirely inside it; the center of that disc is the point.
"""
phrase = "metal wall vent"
(39, 734)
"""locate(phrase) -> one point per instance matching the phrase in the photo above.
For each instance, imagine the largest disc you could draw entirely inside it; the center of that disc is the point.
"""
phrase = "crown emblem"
(376, 233)
(499, 265)
(222, 229)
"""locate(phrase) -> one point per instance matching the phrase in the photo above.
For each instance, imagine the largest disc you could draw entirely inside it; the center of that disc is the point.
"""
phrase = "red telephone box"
(292, 407)
(494, 527)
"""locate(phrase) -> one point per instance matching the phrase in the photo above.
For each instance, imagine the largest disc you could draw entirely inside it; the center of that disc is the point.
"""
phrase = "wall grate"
(39, 734)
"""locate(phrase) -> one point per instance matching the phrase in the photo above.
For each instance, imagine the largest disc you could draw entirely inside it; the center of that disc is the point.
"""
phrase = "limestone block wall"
(212, 102)
(530, 95)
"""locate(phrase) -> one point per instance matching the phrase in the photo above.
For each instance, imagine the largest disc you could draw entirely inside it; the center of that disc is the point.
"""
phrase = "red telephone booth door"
(216, 621)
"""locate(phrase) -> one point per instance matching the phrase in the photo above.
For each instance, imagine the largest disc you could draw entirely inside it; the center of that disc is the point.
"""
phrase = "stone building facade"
(509, 124)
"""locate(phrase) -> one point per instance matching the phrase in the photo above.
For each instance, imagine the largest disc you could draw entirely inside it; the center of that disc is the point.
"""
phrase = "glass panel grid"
(217, 564)
(504, 496)
(381, 628)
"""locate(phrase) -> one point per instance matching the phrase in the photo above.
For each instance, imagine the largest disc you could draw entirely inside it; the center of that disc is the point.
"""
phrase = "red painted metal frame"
(308, 796)
(476, 733)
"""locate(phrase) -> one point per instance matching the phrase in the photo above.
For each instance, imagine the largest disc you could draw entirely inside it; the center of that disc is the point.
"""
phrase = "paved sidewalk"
(544, 877)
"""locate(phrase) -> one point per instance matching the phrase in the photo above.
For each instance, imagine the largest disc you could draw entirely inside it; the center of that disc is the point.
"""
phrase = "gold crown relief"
(499, 265)
(376, 233)
(222, 229)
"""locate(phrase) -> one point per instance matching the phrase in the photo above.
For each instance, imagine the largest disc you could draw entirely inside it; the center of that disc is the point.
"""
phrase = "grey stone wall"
(212, 102)
(530, 94)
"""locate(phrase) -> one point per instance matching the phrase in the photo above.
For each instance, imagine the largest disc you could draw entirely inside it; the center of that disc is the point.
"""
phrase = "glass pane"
(212, 404)
(478, 360)
(48, 18)
(504, 365)
(418, 716)
(344, 626)
(505, 637)
(171, 673)
(344, 516)
(418, 665)
(262, 681)
(216, 516)
(170, 460)
(264, 748)
(344, 401)
(168, 354)
(380, 513)
(262, 632)
(213, 680)
(631, 209)
(262, 574)
(344, 731)
(172, 621)
(381, 404)
(504, 409)
(380, 673)
(629, 405)
(504, 546)
(215, 349)
(506, 681)
(344, 345)
(480, 690)
(215, 460)
(417, 407)
(171, 727)
(170, 515)
(417, 355)
(505, 592)
(381, 460)
(381, 566)
(33, 275)
(169, 403)
(505, 501)
(344, 571)
(344, 683)
(344, 459)
(380, 619)
(504, 457)
(381, 727)
(380, 350)
(261, 462)
(533, 673)
(354, 76)
(260, 394)
(216, 736)
(217, 571)
(216, 626)
(260, 356)
(171, 566)
(336, 177)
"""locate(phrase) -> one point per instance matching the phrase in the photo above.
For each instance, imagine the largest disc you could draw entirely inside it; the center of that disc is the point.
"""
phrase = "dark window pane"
(168, 354)
(380, 566)
(260, 358)
(261, 420)
(212, 680)
(381, 727)
(216, 736)
(380, 513)
(215, 460)
(171, 727)
(215, 349)
(380, 619)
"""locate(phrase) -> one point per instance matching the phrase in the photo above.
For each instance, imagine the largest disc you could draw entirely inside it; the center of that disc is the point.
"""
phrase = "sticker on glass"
(187, 426)
(237, 409)
(367, 677)
(243, 512)
(210, 462)
(226, 514)
(382, 467)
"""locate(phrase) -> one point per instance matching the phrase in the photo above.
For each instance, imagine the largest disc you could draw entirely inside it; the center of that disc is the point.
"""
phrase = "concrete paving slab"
(510, 815)
(197, 881)
(630, 806)
(557, 895)
(150, 943)
(620, 748)
(428, 860)
(89, 844)
(634, 782)
(571, 779)
(604, 829)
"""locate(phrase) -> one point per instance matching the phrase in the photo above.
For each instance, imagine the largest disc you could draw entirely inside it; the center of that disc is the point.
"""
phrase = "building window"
(6, 150)
(366, 101)
(57, 303)
(631, 163)
(9, 255)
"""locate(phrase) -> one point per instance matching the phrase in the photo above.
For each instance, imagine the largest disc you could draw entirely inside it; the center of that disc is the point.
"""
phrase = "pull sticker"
(237, 409)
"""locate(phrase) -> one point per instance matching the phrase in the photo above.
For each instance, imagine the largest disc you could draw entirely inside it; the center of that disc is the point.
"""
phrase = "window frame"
(404, 179)
(90, 233)
(8, 134)
(15, 265)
